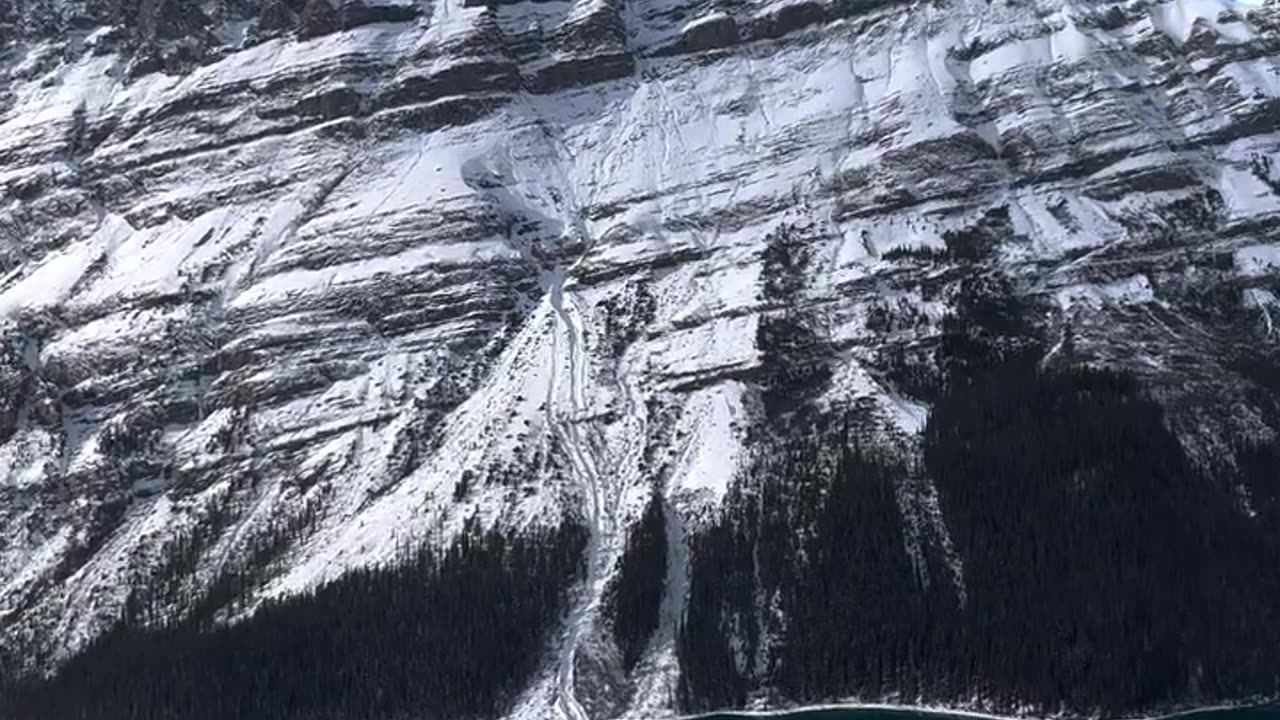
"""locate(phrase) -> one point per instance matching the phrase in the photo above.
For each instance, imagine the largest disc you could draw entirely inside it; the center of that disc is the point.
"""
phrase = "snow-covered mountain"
(286, 287)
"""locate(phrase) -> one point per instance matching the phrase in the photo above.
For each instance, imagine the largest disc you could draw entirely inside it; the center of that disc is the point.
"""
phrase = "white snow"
(1258, 260)
(1133, 290)
(714, 421)
(1177, 19)
(52, 281)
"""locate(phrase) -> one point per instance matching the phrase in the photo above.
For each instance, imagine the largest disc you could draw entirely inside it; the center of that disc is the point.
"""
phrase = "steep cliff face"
(287, 287)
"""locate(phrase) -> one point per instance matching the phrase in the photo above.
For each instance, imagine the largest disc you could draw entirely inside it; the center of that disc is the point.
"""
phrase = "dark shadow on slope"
(1102, 571)
(634, 595)
(454, 633)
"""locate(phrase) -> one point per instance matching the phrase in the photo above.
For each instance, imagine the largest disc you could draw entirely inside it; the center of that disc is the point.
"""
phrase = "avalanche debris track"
(574, 428)
(567, 428)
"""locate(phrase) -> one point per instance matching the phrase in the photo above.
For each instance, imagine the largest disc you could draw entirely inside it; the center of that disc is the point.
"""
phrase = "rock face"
(287, 285)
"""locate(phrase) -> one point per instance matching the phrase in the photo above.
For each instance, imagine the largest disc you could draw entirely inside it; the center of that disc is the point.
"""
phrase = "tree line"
(1101, 570)
(451, 633)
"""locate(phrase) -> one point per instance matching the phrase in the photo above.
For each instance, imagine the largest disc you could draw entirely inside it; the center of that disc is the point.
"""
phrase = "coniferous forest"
(634, 596)
(450, 634)
(1099, 569)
